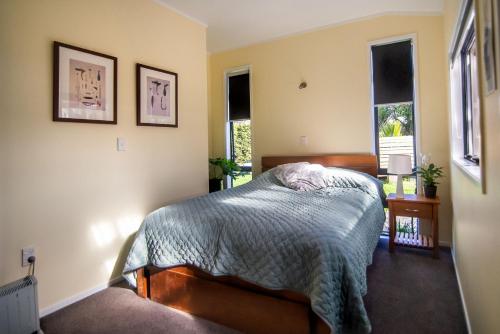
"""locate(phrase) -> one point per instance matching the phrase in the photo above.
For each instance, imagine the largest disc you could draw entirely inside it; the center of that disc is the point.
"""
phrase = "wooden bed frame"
(233, 302)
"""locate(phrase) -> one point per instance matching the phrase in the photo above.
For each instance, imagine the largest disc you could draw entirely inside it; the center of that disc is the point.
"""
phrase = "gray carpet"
(119, 310)
(408, 292)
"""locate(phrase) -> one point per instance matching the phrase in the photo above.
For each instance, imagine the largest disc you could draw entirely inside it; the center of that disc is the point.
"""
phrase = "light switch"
(303, 140)
(121, 144)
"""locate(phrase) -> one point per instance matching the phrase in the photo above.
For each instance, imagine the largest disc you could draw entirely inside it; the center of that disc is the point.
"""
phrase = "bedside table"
(415, 207)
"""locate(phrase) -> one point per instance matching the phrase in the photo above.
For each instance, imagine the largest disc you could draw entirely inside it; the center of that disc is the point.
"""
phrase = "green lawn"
(409, 185)
(242, 179)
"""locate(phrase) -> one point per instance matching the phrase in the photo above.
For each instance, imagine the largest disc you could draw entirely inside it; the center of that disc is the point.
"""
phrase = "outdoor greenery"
(395, 120)
(409, 185)
(221, 166)
(242, 179)
(242, 142)
(404, 224)
(430, 174)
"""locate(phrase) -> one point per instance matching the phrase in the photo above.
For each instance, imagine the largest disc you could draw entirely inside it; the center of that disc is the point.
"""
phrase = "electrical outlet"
(26, 253)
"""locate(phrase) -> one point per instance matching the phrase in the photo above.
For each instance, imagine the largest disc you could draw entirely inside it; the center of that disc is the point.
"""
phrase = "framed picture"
(157, 92)
(84, 85)
(489, 48)
(497, 31)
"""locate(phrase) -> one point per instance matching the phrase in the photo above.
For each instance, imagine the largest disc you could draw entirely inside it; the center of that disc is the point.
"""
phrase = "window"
(470, 97)
(394, 114)
(465, 95)
(239, 137)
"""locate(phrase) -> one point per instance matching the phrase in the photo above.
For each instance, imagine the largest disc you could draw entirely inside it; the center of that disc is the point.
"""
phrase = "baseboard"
(464, 305)
(444, 243)
(79, 296)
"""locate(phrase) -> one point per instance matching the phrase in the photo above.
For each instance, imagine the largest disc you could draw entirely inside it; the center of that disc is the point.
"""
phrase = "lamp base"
(399, 187)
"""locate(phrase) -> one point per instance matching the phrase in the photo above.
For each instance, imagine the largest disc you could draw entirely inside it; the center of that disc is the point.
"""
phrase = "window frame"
(229, 145)
(415, 103)
(468, 127)
(467, 17)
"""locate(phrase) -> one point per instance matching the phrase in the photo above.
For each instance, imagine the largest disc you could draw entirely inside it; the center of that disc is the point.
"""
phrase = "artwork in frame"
(157, 92)
(489, 48)
(497, 31)
(84, 85)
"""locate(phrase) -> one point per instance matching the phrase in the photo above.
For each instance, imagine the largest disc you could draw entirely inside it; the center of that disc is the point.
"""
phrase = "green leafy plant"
(221, 166)
(430, 174)
(403, 228)
(395, 120)
(392, 129)
(242, 142)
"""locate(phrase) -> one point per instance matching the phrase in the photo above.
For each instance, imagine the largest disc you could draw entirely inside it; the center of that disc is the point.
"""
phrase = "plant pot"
(430, 191)
(214, 185)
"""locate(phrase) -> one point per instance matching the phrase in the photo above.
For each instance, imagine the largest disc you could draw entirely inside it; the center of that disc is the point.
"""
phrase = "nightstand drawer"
(409, 209)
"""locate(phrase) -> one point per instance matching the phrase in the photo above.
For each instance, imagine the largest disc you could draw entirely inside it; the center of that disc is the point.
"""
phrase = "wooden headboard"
(366, 163)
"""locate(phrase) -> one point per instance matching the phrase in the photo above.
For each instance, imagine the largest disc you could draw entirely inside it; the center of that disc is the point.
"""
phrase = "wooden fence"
(395, 145)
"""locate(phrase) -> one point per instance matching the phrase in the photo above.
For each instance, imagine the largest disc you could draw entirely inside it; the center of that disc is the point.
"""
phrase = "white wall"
(65, 188)
(476, 221)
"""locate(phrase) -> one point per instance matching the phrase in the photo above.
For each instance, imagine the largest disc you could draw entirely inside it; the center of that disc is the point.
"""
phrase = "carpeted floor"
(119, 310)
(408, 292)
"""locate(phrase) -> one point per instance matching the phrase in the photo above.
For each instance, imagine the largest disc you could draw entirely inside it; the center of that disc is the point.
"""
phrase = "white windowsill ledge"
(470, 169)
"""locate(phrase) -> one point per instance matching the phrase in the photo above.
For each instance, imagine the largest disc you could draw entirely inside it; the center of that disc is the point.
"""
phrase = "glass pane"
(404, 224)
(409, 184)
(242, 179)
(396, 131)
(475, 130)
(242, 150)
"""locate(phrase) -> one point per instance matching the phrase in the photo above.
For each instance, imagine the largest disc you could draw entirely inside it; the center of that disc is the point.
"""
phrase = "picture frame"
(488, 48)
(157, 97)
(84, 85)
(496, 9)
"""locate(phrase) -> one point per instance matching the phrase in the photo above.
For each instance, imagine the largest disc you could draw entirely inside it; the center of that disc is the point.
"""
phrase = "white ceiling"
(236, 23)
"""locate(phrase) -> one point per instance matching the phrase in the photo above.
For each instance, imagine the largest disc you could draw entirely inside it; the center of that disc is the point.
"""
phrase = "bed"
(263, 258)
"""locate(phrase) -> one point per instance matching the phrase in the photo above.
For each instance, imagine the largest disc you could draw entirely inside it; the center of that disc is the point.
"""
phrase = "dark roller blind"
(392, 73)
(239, 97)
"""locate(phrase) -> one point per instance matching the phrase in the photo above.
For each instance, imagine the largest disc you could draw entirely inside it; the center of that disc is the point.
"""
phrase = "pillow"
(288, 172)
(303, 176)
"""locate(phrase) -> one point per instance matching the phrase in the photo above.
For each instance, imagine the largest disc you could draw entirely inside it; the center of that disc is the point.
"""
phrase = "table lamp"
(399, 164)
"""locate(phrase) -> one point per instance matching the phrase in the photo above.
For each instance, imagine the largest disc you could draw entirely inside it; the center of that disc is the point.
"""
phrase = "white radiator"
(19, 307)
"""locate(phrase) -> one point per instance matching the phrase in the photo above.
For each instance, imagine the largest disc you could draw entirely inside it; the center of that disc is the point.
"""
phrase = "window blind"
(239, 97)
(392, 73)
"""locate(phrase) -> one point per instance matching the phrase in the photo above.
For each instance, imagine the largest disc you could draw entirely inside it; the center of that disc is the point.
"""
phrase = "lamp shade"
(399, 164)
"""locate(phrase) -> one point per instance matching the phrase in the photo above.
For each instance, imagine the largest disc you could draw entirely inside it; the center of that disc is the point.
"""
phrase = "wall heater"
(19, 307)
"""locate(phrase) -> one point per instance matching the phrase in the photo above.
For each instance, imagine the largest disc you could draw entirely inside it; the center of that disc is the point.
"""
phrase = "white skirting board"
(79, 296)
(464, 305)
(444, 244)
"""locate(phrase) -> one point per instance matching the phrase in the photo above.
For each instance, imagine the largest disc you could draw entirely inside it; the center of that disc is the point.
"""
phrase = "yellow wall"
(334, 110)
(476, 228)
(67, 191)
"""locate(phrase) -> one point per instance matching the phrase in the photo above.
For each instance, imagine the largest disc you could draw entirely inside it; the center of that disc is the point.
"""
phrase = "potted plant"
(429, 175)
(220, 167)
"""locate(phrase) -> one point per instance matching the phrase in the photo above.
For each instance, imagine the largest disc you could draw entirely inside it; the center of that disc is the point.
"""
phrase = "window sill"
(469, 168)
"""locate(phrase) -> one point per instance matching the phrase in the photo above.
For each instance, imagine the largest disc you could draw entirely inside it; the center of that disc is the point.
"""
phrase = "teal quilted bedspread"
(317, 243)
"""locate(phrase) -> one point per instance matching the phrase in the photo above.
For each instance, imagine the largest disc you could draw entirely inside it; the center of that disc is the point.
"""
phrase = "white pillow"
(303, 176)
